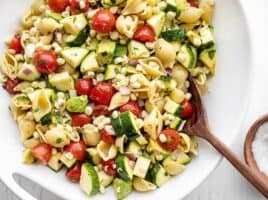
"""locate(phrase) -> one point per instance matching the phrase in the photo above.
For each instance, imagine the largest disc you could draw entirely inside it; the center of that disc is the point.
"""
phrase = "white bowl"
(226, 105)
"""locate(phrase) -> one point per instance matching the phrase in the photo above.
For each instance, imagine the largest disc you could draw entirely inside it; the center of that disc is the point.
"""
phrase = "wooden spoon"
(249, 157)
(197, 125)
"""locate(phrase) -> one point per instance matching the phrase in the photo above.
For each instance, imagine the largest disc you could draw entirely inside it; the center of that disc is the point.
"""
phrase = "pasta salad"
(100, 88)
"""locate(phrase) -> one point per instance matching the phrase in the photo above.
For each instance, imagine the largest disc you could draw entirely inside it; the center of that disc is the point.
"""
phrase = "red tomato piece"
(106, 137)
(102, 93)
(101, 110)
(144, 33)
(193, 3)
(10, 85)
(58, 5)
(74, 173)
(103, 21)
(78, 6)
(187, 109)
(131, 106)
(15, 44)
(42, 152)
(79, 120)
(45, 61)
(109, 167)
(78, 149)
(83, 86)
(172, 139)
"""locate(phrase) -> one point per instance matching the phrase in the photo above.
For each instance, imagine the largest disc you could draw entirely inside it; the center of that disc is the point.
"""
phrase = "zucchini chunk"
(74, 55)
(208, 57)
(159, 175)
(122, 188)
(78, 40)
(89, 181)
(123, 167)
(174, 35)
(74, 24)
(187, 56)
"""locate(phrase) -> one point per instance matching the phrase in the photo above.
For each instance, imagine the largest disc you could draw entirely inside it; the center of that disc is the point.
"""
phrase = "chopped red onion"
(124, 91)
(133, 63)
(169, 71)
(109, 129)
(27, 71)
(131, 156)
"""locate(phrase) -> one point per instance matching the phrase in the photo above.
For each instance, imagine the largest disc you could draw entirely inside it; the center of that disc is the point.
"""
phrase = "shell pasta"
(100, 88)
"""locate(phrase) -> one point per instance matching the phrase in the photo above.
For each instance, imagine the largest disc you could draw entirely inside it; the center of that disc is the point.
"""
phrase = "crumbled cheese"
(56, 47)
(58, 36)
(92, 33)
(100, 77)
(82, 5)
(136, 85)
(36, 135)
(139, 67)
(29, 50)
(114, 9)
(99, 37)
(115, 114)
(188, 96)
(181, 56)
(60, 95)
(69, 155)
(123, 41)
(162, 5)
(72, 93)
(60, 61)
(19, 57)
(159, 157)
(162, 138)
(197, 42)
(114, 35)
(101, 121)
(88, 110)
(118, 60)
(171, 15)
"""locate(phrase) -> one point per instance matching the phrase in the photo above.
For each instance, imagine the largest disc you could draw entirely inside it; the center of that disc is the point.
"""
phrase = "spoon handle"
(250, 174)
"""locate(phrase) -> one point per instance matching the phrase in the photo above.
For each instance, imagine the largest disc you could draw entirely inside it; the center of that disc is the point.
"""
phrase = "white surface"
(225, 183)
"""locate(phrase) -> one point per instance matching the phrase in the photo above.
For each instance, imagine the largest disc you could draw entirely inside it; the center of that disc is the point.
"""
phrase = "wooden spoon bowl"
(248, 154)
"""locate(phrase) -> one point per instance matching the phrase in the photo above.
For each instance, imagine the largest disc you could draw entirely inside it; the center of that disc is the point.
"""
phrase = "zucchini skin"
(80, 38)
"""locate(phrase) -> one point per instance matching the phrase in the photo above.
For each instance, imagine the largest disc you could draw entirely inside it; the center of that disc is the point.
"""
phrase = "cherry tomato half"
(106, 137)
(187, 109)
(74, 173)
(109, 167)
(172, 139)
(101, 110)
(193, 3)
(132, 106)
(45, 61)
(15, 44)
(79, 120)
(144, 33)
(58, 5)
(42, 152)
(102, 93)
(10, 85)
(103, 21)
(78, 6)
(78, 149)
(83, 86)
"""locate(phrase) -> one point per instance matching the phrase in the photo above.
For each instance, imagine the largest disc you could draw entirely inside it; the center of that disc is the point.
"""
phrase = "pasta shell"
(180, 74)
(127, 25)
(27, 20)
(173, 167)
(91, 135)
(141, 185)
(21, 87)
(165, 52)
(41, 130)
(47, 25)
(118, 100)
(146, 13)
(16, 112)
(191, 15)
(185, 144)
(31, 143)
(41, 103)
(26, 127)
(9, 65)
(36, 5)
(153, 123)
(208, 6)
(22, 102)
(134, 7)
(57, 136)
(120, 142)
(105, 180)
(152, 66)
(194, 146)
(106, 151)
